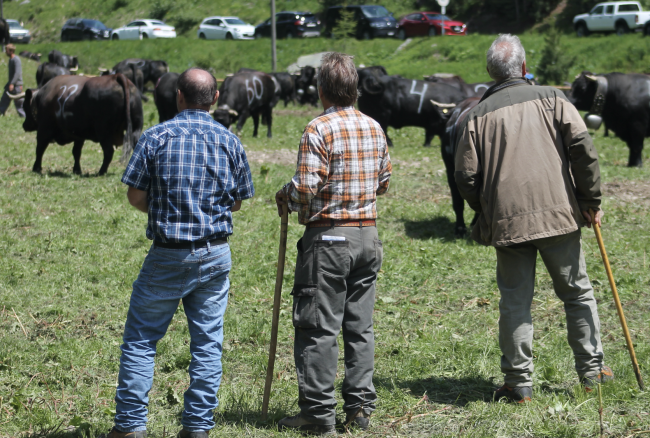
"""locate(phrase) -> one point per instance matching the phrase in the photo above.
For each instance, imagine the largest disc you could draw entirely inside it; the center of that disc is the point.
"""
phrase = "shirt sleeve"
(18, 72)
(137, 173)
(385, 171)
(468, 173)
(245, 188)
(312, 171)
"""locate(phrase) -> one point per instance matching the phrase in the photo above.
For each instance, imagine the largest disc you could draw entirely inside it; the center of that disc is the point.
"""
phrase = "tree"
(554, 65)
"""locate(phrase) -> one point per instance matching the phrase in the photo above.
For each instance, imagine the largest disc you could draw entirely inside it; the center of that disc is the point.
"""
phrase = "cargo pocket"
(168, 281)
(305, 307)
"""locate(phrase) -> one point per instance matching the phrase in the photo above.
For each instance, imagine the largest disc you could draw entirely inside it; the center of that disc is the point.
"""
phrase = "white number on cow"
(256, 91)
(421, 93)
(72, 90)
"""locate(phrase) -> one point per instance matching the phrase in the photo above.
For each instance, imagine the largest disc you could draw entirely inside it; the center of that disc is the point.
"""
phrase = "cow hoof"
(35, 170)
(269, 136)
(460, 231)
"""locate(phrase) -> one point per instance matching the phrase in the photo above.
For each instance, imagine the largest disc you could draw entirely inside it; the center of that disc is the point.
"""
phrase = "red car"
(428, 24)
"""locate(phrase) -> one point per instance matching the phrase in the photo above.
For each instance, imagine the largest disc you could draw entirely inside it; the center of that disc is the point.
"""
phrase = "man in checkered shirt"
(189, 174)
(343, 164)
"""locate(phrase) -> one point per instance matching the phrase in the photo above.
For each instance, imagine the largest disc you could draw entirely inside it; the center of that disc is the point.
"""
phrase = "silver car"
(17, 33)
(225, 28)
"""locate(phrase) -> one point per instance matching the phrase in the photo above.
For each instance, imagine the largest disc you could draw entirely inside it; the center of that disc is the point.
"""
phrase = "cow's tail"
(127, 145)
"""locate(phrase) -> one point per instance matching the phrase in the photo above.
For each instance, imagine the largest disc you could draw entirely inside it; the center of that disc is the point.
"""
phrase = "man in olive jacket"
(526, 163)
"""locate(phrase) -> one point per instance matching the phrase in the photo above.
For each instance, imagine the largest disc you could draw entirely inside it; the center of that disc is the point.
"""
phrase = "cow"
(30, 55)
(66, 61)
(105, 109)
(625, 109)
(448, 144)
(306, 86)
(5, 37)
(245, 94)
(47, 71)
(164, 95)
(287, 90)
(470, 90)
(398, 102)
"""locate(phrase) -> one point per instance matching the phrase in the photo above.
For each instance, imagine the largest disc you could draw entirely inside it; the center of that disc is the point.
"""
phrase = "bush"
(346, 26)
(184, 23)
(160, 8)
(554, 65)
(120, 4)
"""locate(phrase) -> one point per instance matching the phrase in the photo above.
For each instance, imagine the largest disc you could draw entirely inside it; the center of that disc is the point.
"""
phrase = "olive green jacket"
(526, 163)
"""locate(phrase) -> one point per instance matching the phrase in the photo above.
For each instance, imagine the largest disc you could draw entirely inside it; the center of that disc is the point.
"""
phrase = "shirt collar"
(335, 109)
(195, 113)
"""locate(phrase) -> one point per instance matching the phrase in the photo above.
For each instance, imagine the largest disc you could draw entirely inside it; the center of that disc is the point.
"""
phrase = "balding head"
(505, 58)
(197, 88)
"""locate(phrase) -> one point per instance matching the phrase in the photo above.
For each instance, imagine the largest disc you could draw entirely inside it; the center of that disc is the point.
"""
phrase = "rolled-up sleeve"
(468, 170)
(137, 174)
(385, 171)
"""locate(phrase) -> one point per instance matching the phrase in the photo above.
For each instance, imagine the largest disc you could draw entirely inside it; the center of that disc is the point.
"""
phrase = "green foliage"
(184, 22)
(160, 8)
(555, 63)
(120, 4)
(346, 26)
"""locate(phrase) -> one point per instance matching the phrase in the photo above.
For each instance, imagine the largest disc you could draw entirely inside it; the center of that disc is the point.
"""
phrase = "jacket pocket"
(168, 281)
(305, 307)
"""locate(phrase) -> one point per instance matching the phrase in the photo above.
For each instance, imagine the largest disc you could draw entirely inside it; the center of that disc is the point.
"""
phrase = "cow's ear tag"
(445, 111)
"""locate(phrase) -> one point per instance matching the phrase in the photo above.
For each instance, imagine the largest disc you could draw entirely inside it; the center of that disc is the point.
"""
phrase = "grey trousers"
(565, 262)
(335, 288)
(5, 101)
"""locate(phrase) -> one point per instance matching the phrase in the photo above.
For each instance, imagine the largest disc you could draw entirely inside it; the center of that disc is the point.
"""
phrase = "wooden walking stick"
(617, 300)
(277, 300)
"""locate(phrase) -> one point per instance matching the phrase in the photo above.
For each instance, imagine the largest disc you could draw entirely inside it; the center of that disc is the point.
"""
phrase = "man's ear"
(216, 98)
(523, 69)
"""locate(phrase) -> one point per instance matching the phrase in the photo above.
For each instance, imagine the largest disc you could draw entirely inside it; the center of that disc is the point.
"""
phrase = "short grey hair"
(505, 57)
(338, 79)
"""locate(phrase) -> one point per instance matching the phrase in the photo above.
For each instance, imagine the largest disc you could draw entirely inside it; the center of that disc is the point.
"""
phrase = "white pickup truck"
(619, 17)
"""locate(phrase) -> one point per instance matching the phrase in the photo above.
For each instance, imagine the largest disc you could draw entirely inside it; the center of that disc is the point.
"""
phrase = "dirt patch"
(637, 192)
(301, 112)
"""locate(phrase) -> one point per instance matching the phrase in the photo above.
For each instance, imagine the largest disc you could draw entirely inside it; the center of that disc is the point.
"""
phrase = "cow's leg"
(635, 143)
(240, 123)
(108, 157)
(457, 201)
(269, 122)
(41, 144)
(428, 136)
(256, 123)
(76, 153)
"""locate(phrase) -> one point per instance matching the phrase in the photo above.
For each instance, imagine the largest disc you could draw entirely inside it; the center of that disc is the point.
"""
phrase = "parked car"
(17, 33)
(77, 29)
(372, 21)
(229, 28)
(429, 24)
(290, 24)
(143, 29)
(619, 17)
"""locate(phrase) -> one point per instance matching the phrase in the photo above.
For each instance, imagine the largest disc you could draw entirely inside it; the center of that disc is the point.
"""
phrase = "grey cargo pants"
(565, 262)
(5, 102)
(335, 288)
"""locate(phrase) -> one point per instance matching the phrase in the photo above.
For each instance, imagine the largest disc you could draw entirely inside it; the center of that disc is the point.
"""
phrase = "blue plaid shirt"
(193, 170)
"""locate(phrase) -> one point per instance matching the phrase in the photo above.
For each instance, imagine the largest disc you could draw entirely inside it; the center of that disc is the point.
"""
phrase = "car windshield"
(234, 21)
(14, 25)
(375, 11)
(95, 24)
(438, 17)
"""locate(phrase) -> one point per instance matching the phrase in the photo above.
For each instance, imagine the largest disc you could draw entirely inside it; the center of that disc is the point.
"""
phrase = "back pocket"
(168, 281)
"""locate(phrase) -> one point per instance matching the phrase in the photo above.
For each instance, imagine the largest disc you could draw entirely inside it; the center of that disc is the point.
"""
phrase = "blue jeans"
(200, 279)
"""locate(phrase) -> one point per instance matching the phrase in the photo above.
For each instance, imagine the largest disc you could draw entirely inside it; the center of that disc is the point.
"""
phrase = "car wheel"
(646, 30)
(115, 37)
(258, 36)
(202, 36)
(366, 35)
(229, 36)
(401, 34)
(581, 30)
(145, 36)
(432, 31)
(64, 38)
(85, 37)
(290, 35)
(621, 29)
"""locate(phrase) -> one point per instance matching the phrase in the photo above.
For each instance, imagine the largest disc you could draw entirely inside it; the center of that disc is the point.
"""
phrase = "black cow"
(165, 97)
(626, 109)
(47, 71)
(66, 61)
(306, 86)
(152, 70)
(245, 94)
(30, 55)
(398, 102)
(448, 146)
(105, 109)
(287, 90)
(477, 89)
(5, 37)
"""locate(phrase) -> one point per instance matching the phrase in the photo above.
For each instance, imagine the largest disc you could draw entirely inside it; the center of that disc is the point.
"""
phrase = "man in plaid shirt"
(189, 174)
(343, 164)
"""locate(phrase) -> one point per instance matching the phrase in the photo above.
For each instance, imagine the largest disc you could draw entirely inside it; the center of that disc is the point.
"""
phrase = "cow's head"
(443, 110)
(157, 69)
(30, 106)
(371, 79)
(225, 115)
(74, 64)
(583, 90)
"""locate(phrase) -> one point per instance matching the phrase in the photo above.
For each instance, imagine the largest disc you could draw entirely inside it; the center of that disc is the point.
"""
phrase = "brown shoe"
(606, 375)
(521, 394)
(361, 420)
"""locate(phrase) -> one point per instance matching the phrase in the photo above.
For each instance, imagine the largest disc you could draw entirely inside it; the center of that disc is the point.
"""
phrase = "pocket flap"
(304, 290)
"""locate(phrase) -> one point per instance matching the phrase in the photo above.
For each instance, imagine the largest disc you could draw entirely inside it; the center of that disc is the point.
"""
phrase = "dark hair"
(338, 79)
(197, 92)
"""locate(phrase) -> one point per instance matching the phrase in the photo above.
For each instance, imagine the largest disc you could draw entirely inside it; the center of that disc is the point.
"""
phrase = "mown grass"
(70, 247)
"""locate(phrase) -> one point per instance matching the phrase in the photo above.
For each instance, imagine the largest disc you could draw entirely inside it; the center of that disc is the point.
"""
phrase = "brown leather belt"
(342, 223)
(188, 245)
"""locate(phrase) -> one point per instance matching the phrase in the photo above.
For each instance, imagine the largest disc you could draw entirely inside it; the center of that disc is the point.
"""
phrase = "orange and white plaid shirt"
(343, 164)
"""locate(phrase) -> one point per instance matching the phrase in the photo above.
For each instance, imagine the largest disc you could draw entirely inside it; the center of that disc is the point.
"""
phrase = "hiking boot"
(115, 433)
(297, 422)
(187, 434)
(521, 394)
(361, 420)
(590, 383)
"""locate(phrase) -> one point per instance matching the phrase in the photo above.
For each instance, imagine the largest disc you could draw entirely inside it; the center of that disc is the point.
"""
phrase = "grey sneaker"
(521, 394)
(187, 434)
(115, 433)
(606, 375)
(361, 420)
(297, 422)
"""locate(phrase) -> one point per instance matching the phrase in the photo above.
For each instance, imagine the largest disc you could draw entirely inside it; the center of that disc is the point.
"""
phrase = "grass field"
(70, 247)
